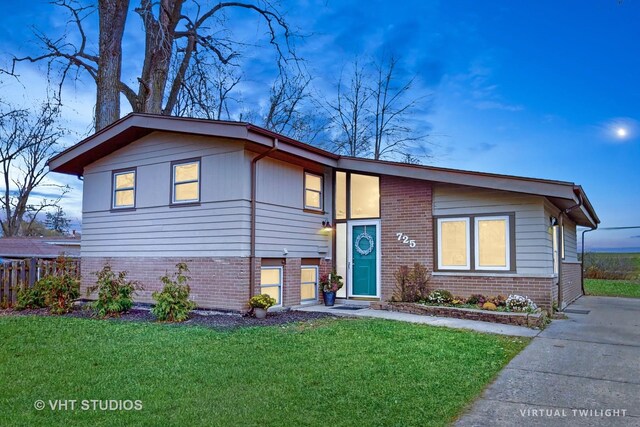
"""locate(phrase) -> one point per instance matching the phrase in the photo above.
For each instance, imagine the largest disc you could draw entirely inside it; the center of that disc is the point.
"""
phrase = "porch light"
(326, 225)
(553, 221)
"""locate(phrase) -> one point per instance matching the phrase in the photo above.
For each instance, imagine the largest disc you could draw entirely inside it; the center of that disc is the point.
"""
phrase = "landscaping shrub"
(173, 304)
(29, 297)
(59, 292)
(115, 292)
(489, 306)
(476, 299)
(498, 301)
(520, 303)
(440, 296)
(411, 283)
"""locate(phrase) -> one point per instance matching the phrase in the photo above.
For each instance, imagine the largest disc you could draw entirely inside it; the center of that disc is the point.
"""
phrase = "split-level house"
(250, 211)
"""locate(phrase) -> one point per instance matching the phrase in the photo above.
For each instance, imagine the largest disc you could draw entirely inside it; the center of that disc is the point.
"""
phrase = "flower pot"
(260, 313)
(329, 298)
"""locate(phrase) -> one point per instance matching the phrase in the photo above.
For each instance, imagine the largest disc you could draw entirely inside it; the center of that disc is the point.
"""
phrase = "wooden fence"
(16, 274)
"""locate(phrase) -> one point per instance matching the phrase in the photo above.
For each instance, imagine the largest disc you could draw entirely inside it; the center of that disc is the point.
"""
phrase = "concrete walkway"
(590, 362)
(474, 325)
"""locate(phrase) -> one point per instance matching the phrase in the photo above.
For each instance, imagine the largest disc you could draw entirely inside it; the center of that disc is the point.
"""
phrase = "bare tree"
(349, 116)
(26, 143)
(175, 31)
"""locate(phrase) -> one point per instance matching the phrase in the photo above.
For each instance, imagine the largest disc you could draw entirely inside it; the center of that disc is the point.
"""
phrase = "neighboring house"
(12, 248)
(251, 211)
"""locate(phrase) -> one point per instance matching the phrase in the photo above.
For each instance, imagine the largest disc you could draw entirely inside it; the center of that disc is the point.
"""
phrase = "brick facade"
(571, 281)
(216, 283)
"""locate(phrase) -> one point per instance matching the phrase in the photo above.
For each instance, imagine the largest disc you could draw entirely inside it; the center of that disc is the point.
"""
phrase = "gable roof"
(564, 195)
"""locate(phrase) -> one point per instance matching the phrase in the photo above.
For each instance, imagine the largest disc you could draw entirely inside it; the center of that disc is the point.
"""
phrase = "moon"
(621, 132)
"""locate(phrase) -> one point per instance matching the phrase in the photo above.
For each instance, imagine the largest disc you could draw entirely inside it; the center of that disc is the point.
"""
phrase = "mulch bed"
(210, 320)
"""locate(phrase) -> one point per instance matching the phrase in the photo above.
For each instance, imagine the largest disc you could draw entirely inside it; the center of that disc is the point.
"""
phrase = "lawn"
(325, 372)
(612, 288)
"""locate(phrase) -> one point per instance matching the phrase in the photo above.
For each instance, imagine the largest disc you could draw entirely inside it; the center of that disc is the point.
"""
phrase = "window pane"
(492, 243)
(308, 291)
(308, 275)
(312, 199)
(341, 195)
(125, 180)
(453, 235)
(186, 172)
(365, 196)
(313, 182)
(270, 276)
(124, 198)
(186, 192)
(273, 292)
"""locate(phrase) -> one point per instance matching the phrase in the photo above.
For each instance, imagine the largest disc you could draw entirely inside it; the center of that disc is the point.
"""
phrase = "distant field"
(612, 288)
(612, 265)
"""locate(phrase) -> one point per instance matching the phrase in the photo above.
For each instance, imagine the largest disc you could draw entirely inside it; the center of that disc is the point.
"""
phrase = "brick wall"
(405, 207)
(571, 284)
(221, 283)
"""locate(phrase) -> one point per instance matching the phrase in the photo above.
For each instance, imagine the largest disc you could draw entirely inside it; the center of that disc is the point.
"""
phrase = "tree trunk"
(112, 16)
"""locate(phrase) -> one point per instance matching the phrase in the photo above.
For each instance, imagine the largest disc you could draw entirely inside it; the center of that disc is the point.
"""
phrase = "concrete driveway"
(572, 373)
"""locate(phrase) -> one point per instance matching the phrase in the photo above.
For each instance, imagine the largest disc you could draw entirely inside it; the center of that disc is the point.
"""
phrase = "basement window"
(271, 283)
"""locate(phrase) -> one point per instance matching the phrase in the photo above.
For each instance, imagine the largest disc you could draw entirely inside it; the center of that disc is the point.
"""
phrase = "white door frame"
(350, 225)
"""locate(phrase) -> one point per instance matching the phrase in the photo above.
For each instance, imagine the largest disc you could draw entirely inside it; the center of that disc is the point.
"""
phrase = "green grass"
(328, 372)
(612, 288)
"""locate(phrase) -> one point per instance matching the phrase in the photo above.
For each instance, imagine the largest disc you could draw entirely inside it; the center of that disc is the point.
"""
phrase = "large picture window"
(475, 243)
(492, 243)
(271, 282)
(453, 244)
(124, 189)
(312, 191)
(186, 182)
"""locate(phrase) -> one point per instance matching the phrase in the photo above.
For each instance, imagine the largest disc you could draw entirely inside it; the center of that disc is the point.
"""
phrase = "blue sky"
(532, 88)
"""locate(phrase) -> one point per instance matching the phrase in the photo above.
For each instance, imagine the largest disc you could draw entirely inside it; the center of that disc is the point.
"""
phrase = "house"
(251, 211)
(12, 248)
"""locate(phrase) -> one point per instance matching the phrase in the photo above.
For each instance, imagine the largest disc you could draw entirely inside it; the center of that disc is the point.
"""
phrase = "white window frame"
(174, 183)
(315, 267)
(116, 190)
(279, 286)
(320, 193)
(454, 267)
(476, 242)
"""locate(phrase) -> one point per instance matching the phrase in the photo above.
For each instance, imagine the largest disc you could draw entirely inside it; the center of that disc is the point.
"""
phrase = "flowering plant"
(262, 301)
(440, 296)
(331, 282)
(520, 303)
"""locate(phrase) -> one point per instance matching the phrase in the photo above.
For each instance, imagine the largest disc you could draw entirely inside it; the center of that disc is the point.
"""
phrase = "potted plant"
(330, 283)
(260, 304)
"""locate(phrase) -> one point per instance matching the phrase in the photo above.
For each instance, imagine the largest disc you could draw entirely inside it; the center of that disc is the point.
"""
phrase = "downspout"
(561, 216)
(252, 256)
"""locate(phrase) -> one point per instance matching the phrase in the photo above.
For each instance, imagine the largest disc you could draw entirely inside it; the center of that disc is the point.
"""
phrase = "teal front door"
(364, 255)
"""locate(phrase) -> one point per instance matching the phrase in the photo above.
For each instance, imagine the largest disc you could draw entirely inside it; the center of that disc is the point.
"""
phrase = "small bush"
(173, 304)
(520, 303)
(5, 303)
(477, 299)
(29, 298)
(59, 292)
(489, 306)
(262, 301)
(411, 283)
(458, 300)
(498, 301)
(440, 296)
(115, 293)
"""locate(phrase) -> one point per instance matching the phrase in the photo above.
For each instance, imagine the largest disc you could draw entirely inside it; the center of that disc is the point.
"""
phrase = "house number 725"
(405, 239)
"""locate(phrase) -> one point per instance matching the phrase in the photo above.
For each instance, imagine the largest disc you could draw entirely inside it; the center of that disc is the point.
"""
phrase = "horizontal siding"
(213, 229)
(570, 241)
(533, 253)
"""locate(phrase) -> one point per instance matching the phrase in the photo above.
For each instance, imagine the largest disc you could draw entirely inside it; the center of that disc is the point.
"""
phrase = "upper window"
(492, 243)
(365, 196)
(453, 243)
(312, 191)
(186, 182)
(341, 195)
(124, 189)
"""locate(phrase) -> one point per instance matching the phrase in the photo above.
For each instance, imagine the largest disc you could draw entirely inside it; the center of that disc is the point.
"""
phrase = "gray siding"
(281, 222)
(533, 242)
(220, 226)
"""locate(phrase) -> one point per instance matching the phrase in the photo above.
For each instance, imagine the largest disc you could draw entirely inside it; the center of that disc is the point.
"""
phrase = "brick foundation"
(571, 281)
(216, 283)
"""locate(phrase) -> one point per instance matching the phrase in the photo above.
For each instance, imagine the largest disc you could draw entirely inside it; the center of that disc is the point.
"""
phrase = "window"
(492, 250)
(308, 283)
(124, 189)
(365, 196)
(341, 195)
(186, 182)
(453, 243)
(271, 282)
(312, 191)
